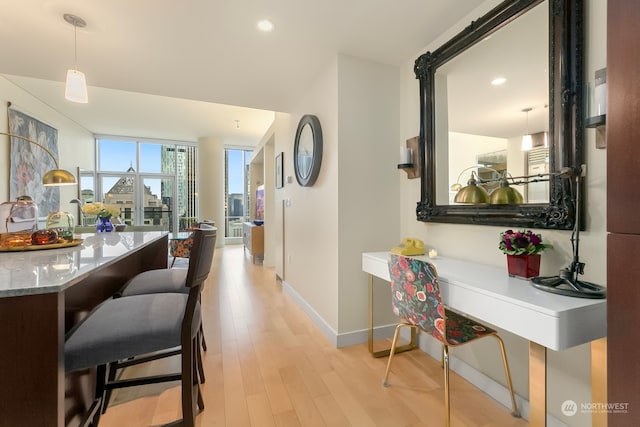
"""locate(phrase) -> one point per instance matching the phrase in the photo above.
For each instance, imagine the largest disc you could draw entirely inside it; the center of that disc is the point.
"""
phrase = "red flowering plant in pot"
(523, 249)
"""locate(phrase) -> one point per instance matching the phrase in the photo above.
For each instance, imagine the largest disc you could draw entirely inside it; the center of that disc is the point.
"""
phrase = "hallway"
(268, 365)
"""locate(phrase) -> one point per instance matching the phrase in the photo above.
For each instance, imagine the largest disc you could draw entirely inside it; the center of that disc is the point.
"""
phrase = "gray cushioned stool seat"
(125, 327)
(157, 281)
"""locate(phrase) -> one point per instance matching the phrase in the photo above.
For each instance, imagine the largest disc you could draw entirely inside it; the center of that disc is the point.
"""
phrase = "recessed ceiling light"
(499, 81)
(265, 25)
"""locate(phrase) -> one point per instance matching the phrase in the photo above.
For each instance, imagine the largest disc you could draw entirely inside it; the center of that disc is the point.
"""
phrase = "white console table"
(546, 320)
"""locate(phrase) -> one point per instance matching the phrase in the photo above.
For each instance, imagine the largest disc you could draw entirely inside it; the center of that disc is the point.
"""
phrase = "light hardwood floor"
(268, 365)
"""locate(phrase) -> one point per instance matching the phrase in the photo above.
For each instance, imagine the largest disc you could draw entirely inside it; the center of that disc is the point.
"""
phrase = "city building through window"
(152, 183)
(236, 191)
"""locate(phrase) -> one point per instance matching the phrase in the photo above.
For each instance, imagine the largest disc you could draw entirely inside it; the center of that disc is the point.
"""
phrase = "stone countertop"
(53, 270)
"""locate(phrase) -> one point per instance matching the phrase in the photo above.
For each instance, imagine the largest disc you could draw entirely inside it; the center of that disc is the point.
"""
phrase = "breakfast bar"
(43, 293)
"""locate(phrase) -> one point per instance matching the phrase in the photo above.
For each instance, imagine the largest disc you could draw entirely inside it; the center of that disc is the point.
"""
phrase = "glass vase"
(523, 266)
(63, 223)
(103, 225)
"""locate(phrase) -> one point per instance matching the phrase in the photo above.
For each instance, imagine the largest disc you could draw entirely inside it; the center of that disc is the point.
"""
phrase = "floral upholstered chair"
(180, 248)
(415, 295)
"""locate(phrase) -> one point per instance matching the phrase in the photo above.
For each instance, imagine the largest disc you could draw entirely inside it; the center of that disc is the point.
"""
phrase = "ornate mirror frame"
(565, 118)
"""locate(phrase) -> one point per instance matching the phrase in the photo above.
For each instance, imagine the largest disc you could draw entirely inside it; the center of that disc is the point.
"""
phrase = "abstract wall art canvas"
(29, 162)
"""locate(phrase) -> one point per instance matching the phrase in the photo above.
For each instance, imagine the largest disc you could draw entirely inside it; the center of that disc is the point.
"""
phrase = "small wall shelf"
(595, 121)
(599, 123)
(412, 169)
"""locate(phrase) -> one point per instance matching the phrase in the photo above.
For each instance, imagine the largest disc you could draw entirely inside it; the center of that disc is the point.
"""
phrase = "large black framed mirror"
(535, 48)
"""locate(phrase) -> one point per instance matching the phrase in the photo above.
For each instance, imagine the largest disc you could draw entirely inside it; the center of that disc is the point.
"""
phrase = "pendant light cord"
(75, 45)
(76, 21)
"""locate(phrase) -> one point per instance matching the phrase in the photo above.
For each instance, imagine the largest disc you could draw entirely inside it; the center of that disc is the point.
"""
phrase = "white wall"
(263, 173)
(76, 149)
(311, 219)
(353, 206)
(269, 203)
(282, 143)
(75, 144)
(368, 201)
(211, 183)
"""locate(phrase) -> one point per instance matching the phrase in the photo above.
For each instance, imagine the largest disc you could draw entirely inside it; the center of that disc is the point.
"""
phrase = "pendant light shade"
(527, 141)
(76, 85)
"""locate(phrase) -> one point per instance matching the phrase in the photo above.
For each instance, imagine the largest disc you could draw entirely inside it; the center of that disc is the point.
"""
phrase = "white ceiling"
(161, 68)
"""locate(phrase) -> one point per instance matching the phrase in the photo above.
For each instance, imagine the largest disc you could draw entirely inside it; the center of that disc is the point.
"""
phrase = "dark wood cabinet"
(623, 116)
(623, 204)
(623, 338)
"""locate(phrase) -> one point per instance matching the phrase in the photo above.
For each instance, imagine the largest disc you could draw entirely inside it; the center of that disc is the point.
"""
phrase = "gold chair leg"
(413, 343)
(442, 357)
(514, 407)
(392, 351)
(447, 404)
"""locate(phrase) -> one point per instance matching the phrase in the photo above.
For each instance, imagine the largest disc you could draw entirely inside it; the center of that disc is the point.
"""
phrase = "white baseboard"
(324, 327)
(427, 344)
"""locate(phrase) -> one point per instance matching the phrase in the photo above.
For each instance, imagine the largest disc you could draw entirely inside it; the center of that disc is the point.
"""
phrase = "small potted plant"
(523, 249)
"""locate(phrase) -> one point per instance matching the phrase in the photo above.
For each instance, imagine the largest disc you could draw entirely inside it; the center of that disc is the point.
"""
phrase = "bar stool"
(140, 325)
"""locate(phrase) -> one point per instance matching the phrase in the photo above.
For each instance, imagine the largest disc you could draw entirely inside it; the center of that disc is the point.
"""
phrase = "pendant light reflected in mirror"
(505, 195)
(472, 194)
(527, 141)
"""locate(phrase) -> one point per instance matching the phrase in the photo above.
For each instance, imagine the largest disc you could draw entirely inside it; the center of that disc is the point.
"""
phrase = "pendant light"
(527, 141)
(76, 86)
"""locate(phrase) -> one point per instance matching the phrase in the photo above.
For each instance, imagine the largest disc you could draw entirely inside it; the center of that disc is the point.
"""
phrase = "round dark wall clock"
(307, 150)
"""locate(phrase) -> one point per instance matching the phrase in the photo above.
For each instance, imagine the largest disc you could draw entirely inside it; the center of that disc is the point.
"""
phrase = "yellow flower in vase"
(97, 210)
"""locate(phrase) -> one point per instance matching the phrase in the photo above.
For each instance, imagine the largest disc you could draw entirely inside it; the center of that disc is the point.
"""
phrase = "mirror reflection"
(305, 151)
(491, 113)
(508, 86)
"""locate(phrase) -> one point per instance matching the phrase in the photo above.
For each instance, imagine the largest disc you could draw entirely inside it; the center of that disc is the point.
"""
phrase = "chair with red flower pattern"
(415, 295)
(180, 248)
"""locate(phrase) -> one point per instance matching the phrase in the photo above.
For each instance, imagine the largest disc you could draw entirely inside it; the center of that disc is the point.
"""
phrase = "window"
(152, 182)
(236, 190)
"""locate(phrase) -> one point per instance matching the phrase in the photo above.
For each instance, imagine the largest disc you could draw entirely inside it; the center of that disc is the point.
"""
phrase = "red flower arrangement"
(523, 242)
